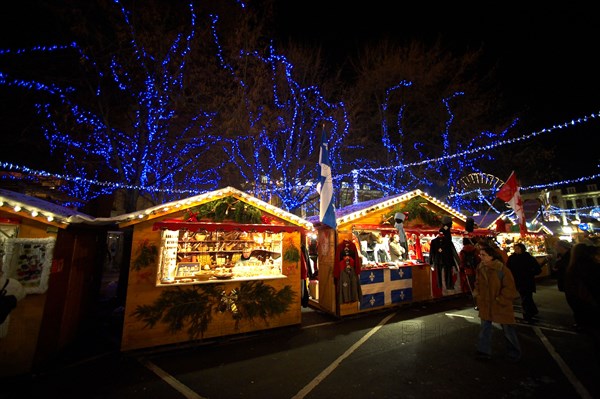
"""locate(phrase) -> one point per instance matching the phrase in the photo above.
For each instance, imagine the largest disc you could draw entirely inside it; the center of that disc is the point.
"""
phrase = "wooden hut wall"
(326, 244)
(72, 290)
(421, 274)
(142, 291)
(43, 324)
(17, 349)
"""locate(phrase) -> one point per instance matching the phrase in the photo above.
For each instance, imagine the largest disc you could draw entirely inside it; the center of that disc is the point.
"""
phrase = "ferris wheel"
(476, 191)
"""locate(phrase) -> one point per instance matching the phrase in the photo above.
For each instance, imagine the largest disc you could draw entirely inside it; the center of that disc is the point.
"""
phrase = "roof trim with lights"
(212, 226)
(369, 206)
(23, 205)
(170, 207)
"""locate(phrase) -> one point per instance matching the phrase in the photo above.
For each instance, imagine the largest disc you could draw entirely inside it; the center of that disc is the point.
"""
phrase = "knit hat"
(446, 220)
(399, 216)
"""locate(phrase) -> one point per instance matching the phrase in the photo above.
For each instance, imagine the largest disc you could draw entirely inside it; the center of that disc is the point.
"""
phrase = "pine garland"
(416, 211)
(292, 254)
(193, 307)
(179, 307)
(227, 208)
(147, 255)
(256, 299)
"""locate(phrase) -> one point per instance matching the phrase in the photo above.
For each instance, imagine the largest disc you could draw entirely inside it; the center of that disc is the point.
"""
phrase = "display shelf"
(192, 257)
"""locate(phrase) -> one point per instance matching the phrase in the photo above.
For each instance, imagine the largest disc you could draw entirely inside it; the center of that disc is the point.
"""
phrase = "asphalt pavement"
(424, 350)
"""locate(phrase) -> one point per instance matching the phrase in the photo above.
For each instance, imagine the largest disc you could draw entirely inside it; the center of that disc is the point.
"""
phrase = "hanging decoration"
(415, 211)
(147, 255)
(255, 299)
(292, 254)
(29, 260)
(228, 208)
(193, 307)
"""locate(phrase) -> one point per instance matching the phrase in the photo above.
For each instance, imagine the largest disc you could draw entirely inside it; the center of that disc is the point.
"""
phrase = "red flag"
(509, 193)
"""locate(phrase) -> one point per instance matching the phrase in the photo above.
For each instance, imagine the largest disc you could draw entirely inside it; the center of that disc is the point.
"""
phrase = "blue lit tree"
(165, 114)
(276, 151)
(122, 119)
(424, 126)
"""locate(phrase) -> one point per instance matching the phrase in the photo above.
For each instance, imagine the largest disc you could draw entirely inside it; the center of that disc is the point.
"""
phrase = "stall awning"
(211, 226)
(420, 229)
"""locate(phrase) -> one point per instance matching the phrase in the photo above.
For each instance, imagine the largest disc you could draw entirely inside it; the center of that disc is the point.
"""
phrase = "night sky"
(547, 55)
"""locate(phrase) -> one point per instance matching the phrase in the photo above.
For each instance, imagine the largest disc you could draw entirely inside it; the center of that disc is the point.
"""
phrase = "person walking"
(581, 285)
(563, 256)
(524, 267)
(495, 292)
(469, 259)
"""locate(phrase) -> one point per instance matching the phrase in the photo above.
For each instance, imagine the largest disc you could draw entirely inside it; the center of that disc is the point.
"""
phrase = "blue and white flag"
(325, 186)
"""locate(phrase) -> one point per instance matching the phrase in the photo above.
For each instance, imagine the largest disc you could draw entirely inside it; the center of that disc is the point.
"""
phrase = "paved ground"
(418, 351)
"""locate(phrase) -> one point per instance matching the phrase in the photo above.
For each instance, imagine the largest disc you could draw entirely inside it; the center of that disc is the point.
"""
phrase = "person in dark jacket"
(469, 259)
(524, 268)
(443, 255)
(563, 257)
(581, 285)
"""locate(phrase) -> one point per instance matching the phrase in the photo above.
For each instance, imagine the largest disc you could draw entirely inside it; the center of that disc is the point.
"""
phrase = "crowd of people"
(497, 280)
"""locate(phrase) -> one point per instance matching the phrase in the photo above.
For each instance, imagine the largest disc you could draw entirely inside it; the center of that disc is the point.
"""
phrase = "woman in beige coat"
(495, 292)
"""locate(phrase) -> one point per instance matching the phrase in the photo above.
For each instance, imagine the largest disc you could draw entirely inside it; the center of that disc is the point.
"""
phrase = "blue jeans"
(484, 343)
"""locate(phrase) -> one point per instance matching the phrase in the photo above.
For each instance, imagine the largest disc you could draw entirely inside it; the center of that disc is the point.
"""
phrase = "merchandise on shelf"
(211, 256)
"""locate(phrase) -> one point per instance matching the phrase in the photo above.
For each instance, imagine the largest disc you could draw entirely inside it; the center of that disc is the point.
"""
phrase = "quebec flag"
(325, 186)
(509, 193)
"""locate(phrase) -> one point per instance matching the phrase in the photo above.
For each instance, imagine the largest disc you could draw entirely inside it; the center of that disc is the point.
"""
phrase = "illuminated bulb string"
(355, 173)
(553, 210)
(155, 165)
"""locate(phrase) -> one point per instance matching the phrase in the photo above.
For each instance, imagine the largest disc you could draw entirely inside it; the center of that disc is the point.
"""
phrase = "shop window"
(214, 256)
(589, 202)
(571, 190)
(591, 187)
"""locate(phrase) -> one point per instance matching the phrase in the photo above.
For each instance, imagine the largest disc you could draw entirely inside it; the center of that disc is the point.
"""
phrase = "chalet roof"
(49, 213)
(23, 205)
(352, 212)
(170, 207)
(487, 220)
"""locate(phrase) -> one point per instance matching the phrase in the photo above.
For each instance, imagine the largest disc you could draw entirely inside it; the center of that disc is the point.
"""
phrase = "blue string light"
(271, 153)
(354, 174)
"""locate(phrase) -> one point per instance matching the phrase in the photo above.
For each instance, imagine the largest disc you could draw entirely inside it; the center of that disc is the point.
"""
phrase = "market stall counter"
(378, 256)
(536, 244)
(217, 264)
(394, 284)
